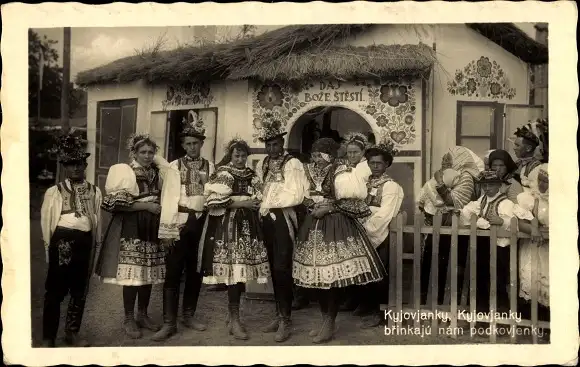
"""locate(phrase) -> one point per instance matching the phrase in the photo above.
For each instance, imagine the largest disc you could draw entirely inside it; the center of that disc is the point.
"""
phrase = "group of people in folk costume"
(495, 189)
(314, 229)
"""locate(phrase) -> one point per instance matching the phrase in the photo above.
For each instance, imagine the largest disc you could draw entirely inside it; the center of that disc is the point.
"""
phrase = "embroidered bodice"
(319, 184)
(147, 180)
(244, 180)
(492, 206)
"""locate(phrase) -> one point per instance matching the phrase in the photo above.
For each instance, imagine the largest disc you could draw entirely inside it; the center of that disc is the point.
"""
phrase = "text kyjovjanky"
(415, 315)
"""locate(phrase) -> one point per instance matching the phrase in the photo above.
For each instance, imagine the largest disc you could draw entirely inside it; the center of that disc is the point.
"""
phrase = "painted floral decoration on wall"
(483, 79)
(188, 94)
(393, 107)
(275, 101)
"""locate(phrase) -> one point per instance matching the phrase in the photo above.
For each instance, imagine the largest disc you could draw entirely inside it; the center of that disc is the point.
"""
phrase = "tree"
(50, 95)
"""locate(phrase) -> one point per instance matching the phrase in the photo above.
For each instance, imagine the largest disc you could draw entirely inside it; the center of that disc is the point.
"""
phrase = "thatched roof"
(288, 53)
(514, 40)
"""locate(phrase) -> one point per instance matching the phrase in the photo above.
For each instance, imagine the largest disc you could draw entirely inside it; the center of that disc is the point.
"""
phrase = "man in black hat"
(284, 181)
(182, 219)
(70, 218)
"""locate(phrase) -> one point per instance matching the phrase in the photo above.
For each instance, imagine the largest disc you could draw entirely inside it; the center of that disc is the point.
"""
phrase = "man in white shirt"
(384, 199)
(492, 208)
(284, 181)
(70, 217)
(182, 219)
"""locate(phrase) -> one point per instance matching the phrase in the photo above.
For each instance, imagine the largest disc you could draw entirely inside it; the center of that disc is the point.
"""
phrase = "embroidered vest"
(75, 200)
(375, 190)
(273, 171)
(194, 175)
(492, 208)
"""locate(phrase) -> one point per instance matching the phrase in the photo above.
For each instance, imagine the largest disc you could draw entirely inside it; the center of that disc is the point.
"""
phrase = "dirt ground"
(102, 322)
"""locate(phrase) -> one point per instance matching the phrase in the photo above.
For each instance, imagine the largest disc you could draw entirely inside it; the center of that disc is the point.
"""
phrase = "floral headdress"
(235, 141)
(135, 141)
(270, 129)
(528, 132)
(357, 138)
(71, 148)
(386, 146)
(193, 126)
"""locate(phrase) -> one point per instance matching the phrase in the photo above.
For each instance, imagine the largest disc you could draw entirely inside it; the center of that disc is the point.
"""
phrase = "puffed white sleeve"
(505, 210)
(218, 190)
(292, 191)
(349, 184)
(120, 187)
(363, 170)
(170, 193)
(377, 225)
(468, 210)
(162, 165)
(50, 213)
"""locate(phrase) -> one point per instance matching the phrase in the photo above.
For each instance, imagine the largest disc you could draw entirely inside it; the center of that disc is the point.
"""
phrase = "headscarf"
(505, 157)
(463, 160)
(541, 170)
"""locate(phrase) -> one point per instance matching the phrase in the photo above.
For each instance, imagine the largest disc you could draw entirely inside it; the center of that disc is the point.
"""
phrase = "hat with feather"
(529, 133)
(270, 129)
(193, 126)
(386, 148)
(71, 149)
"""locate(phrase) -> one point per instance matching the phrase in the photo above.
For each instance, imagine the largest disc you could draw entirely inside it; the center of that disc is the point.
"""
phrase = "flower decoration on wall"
(393, 106)
(481, 78)
(188, 94)
(275, 102)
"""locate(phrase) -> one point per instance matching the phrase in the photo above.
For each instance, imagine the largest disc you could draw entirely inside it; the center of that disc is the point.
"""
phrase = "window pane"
(476, 120)
(479, 146)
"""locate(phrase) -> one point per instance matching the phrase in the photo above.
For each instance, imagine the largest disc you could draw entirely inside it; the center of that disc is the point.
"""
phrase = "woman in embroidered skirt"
(355, 144)
(233, 246)
(131, 255)
(332, 249)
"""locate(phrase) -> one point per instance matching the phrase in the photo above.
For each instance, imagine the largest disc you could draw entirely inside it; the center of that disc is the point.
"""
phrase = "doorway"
(324, 122)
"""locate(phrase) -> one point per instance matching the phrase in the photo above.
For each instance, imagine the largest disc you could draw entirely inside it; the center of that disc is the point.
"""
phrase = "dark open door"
(115, 123)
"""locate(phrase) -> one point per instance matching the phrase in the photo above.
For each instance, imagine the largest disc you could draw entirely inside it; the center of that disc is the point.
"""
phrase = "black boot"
(283, 332)
(131, 328)
(272, 327)
(235, 327)
(169, 328)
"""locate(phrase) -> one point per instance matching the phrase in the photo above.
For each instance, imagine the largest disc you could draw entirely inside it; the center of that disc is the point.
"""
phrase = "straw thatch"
(213, 61)
(292, 53)
(342, 63)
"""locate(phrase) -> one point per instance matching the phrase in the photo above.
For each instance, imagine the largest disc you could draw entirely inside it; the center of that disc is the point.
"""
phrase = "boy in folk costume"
(70, 218)
(384, 199)
(492, 208)
(182, 219)
(525, 144)
(284, 181)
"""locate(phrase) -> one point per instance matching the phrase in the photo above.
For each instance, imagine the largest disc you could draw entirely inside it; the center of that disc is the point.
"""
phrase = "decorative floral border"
(393, 106)
(188, 94)
(481, 79)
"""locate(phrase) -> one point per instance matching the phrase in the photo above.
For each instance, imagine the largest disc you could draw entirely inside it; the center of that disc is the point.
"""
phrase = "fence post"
(473, 269)
(493, 279)
(401, 221)
(453, 264)
(418, 224)
(534, 287)
(434, 276)
(513, 276)
(392, 265)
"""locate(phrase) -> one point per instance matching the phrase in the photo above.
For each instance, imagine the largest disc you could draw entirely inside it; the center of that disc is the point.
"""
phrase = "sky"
(95, 46)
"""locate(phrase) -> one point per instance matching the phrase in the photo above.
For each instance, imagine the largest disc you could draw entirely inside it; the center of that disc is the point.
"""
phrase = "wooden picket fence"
(455, 306)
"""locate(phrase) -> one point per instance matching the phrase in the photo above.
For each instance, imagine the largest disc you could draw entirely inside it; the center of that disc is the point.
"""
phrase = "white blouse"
(377, 225)
(51, 216)
(349, 183)
(173, 195)
(287, 193)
